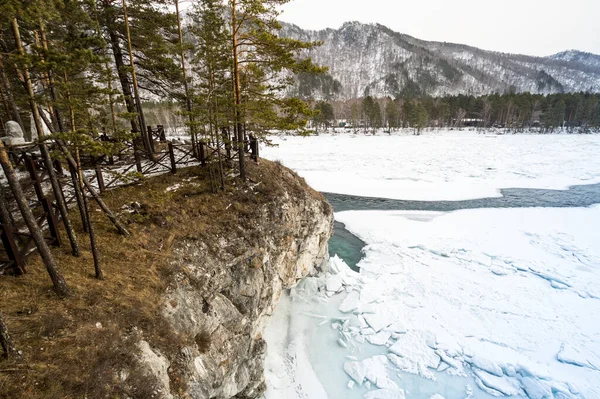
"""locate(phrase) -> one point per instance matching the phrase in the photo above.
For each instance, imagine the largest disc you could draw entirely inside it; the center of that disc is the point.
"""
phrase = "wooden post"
(172, 157)
(138, 161)
(202, 153)
(254, 148)
(58, 167)
(161, 132)
(100, 179)
(150, 138)
(52, 222)
(11, 248)
(32, 169)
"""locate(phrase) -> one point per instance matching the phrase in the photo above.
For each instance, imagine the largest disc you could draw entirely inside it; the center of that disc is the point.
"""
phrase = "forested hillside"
(371, 59)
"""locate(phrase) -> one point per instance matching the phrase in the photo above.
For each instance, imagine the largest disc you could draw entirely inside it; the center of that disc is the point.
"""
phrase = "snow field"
(468, 304)
(439, 166)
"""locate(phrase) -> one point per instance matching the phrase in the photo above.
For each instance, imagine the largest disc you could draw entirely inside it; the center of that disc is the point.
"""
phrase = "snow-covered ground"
(467, 304)
(439, 166)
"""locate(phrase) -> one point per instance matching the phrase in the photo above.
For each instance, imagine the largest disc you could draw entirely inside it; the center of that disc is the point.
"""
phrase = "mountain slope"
(372, 59)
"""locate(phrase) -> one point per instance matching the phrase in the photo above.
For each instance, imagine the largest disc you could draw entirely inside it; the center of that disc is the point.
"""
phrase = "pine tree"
(323, 114)
(392, 114)
(150, 30)
(262, 62)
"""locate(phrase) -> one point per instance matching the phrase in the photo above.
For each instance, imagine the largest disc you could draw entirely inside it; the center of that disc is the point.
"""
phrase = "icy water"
(574, 197)
(346, 245)
(497, 286)
(349, 247)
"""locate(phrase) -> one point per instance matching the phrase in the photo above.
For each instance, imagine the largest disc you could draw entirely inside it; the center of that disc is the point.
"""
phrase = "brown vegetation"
(85, 345)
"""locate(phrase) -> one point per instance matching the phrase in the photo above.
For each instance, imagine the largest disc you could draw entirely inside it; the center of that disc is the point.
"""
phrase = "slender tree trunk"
(90, 226)
(5, 340)
(237, 90)
(46, 83)
(111, 216)
(51, 87)
(45, 154)
(5, 103)
(111, 101)
(86, 208)
(60, 125)
(16, 116)
(188, 100)
(121, 70)
(220, 159)
(145, 138)
(124, 80)
(57, 279)
(78, 189)
(6, 217)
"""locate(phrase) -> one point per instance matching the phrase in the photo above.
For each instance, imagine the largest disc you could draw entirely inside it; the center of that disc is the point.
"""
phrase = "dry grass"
(78, 346)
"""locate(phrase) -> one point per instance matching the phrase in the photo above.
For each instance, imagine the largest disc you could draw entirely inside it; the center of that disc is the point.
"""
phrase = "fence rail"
(104, 173)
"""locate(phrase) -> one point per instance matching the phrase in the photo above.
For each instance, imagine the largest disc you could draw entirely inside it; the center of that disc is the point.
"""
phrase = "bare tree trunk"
(220, 159)
(90, 226)
(86, 208)
(9, 96)
(6, 109)
(78, 189)
(188, 100)
(6, 217)
(45, 155)
(60, 125)
(237, 91)
(111, 101)
(92, 190)
(5, 340)
(136, 91)
(59, 283)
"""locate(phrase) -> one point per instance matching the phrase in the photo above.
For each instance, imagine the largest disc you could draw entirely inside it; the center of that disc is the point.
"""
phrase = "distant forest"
(577, 112)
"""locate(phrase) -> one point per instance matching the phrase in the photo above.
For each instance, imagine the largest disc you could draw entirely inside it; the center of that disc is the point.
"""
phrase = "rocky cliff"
(225, 299)
(186, 298)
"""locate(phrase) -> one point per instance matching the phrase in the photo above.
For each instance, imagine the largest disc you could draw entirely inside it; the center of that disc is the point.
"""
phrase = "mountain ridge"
(372, 59)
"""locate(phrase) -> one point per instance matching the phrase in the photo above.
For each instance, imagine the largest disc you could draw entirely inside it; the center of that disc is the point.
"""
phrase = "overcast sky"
(536, 27)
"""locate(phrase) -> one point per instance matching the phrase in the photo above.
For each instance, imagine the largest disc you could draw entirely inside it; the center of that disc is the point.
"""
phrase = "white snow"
(438, 276)
(439, 166)
(466, 304)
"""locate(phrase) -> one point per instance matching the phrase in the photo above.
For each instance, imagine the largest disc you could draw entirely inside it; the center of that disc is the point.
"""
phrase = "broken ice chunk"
(381, 338)
(356, 370)
(350, 303)
(413, 346)
(334, 283)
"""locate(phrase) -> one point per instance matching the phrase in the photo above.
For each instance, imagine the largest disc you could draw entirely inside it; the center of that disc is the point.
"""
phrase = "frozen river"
(453, 298)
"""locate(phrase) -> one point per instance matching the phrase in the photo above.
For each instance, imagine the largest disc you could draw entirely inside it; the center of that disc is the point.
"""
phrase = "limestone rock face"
(227, 292)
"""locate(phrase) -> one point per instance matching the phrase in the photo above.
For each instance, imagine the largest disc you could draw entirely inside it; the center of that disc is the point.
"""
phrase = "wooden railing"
(131, 163)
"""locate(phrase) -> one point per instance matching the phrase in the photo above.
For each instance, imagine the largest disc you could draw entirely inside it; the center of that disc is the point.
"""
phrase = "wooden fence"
(103, 172)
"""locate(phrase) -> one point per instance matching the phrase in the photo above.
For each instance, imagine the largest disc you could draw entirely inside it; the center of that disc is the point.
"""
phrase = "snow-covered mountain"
(373, 59)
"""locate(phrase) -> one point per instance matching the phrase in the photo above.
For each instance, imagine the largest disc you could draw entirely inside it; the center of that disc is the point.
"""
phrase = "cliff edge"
(186, 298)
